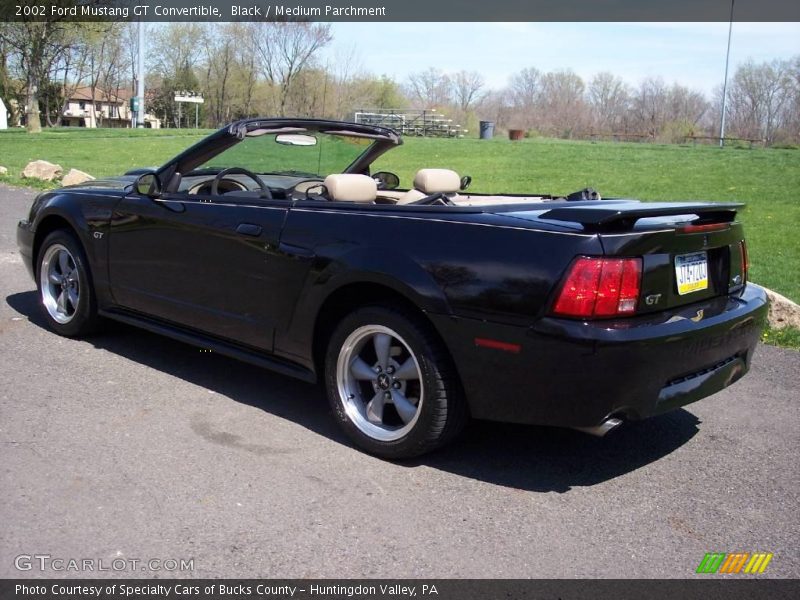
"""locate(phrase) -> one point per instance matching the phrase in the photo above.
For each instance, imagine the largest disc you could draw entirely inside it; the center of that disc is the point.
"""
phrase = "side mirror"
(148, 185)
(386, 180)
(465, 181)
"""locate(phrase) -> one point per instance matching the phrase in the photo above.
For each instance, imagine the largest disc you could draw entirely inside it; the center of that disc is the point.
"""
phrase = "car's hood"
(141, 170)
(108, 183)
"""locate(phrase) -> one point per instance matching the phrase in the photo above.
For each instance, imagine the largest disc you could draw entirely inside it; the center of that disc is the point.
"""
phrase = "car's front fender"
(87, 215)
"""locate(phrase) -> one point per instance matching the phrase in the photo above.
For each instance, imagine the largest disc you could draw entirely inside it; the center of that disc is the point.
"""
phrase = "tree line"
(248, 69)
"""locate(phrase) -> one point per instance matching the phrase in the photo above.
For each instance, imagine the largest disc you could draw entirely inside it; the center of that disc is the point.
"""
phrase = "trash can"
(487, 130)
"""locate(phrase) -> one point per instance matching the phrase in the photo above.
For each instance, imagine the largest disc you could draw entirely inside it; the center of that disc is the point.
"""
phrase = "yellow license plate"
(691, 272)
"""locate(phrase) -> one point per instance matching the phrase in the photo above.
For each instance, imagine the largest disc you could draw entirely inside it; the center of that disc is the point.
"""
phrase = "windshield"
(307, 154)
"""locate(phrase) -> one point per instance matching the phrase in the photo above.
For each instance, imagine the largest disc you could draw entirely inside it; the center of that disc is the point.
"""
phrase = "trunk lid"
(691, 251)
(673, 256)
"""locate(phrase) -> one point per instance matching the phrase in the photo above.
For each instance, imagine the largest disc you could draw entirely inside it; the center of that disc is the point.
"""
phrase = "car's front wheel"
(65, 285)
(391, 384)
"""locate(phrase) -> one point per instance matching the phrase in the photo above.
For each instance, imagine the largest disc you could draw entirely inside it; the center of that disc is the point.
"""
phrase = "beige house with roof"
(103, 109)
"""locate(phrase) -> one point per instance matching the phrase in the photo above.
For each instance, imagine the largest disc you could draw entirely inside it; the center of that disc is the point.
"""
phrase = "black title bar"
(400, 589)
(399, 10)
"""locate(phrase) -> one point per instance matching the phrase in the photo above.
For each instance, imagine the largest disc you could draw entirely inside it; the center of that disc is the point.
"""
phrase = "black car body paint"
(249, 277)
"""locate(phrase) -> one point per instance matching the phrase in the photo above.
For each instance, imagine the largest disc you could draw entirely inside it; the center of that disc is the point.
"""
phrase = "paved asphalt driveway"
(128, 445)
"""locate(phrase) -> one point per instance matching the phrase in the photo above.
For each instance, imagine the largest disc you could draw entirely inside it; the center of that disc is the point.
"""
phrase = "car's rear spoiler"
(605, 215)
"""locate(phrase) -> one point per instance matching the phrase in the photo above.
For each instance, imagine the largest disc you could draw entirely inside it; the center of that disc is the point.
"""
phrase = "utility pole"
(140, 87)
(725, 83)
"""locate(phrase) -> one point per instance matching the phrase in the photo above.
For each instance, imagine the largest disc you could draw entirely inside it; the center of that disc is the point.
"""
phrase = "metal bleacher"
(422, 123)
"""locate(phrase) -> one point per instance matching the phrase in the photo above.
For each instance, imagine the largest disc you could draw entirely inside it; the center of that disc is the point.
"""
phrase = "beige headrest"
(435, 181)
(348, 187)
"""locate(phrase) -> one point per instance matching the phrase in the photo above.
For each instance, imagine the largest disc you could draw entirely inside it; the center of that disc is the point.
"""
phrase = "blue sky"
(691, 53)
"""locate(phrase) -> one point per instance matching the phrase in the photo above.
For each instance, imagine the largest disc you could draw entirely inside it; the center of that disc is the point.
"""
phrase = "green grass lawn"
(788, 337)
(99, 152)
(767, 180)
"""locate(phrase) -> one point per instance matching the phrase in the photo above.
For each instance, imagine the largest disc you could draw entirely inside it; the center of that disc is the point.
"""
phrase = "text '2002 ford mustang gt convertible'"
(274, 242)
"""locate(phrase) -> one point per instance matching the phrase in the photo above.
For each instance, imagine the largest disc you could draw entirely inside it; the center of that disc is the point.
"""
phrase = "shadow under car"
(525, 457)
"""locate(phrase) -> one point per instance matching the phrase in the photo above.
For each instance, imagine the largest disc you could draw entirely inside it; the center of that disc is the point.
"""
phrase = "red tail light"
(745, 261)
(703, 228)
(600, 287)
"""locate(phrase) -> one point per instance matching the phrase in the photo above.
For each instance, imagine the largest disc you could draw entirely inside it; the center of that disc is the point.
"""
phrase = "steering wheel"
(316, 182)
(265, 192)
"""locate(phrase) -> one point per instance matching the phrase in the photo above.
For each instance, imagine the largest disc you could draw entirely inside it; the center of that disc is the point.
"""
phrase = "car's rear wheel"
(391, 383)
(65, 285)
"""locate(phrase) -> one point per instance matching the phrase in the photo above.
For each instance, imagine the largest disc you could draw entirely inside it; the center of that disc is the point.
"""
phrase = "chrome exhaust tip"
(602, 429)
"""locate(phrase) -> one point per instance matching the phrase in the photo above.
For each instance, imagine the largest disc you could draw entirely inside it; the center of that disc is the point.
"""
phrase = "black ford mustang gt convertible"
(273, 241)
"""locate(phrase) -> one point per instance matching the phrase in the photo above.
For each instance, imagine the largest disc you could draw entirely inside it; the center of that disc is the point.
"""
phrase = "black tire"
(441, 411)
(78, 320)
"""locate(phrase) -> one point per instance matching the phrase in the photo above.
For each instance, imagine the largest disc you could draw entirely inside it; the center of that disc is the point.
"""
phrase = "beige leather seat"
(432, 181)
(347, 187)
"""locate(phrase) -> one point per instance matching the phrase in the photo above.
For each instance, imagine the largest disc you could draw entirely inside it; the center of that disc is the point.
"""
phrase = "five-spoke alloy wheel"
(391, 384)
(380, 381)
(60, 284)
(65, 286)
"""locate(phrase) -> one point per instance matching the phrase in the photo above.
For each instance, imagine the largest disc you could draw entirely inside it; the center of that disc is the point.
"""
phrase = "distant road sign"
(188, 98)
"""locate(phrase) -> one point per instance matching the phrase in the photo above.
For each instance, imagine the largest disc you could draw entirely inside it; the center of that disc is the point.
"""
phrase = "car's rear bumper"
(25, 245)
(577, 374)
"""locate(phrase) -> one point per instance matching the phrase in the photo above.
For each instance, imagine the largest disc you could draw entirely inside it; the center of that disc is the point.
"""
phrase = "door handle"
(249, 229)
